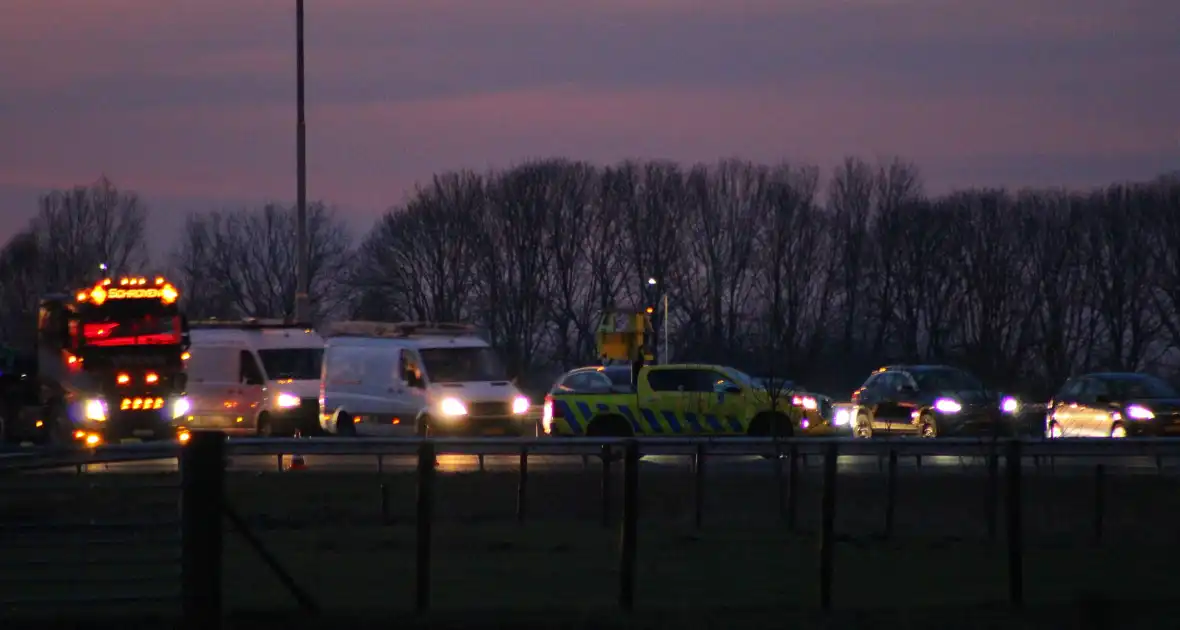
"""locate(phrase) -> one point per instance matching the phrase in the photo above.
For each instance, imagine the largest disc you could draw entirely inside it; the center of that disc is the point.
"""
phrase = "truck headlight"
(180, 407)
(96, 410)
(286, 401)
(452, 407)
(946, 405)
(842, 418)
(1009, 405)
(520, 405)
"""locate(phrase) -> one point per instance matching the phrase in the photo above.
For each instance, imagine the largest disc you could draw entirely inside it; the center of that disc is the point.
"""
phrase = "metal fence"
(153, 560)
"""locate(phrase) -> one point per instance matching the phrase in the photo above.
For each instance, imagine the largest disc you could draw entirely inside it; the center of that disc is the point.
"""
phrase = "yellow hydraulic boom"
(620, 337)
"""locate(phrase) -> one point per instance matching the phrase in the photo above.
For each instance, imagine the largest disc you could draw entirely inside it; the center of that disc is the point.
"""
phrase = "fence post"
(425, 518)
(890, 493)
(605, 485)
(827, 537)
(699, 478)
(628, 542)
(992, 496)
(780, 479)
(522, 485)
(1099, 501)
(202, 495)
(1014, 509)
(792, 487)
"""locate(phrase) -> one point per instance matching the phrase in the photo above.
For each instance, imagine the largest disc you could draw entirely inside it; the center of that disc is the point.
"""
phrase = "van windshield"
(462, 365)
(300, 364)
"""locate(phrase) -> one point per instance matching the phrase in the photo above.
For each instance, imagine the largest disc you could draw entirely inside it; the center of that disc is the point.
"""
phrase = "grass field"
(329, 532)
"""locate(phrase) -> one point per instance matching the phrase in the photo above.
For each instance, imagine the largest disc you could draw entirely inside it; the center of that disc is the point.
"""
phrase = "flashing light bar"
(130, 289)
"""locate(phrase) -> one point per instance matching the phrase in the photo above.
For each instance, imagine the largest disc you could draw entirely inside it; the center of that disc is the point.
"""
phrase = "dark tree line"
(766, 267)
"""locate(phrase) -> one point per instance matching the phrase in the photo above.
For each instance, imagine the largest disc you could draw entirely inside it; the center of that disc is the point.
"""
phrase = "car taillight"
(806, 402)
(547, 416)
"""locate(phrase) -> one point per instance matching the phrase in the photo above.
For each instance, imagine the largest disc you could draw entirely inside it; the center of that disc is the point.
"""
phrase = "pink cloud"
(194, 99)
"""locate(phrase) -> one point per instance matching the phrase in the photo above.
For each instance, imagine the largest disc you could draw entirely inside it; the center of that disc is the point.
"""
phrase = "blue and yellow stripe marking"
(573, 417)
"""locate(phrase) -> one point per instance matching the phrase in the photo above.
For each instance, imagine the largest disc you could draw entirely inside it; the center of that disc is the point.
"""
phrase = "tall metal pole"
(666, 360)
(301, 263)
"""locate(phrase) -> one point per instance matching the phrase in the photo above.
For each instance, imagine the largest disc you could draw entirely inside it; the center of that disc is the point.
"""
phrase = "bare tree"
(249, 258)
(570, 236)
(514, 258)
(20, 289)
(850, 200)
(80, 228)
(1121, 273)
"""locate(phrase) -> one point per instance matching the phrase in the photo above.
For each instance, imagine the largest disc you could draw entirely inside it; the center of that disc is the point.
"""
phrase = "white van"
(254, 377)
(417, 379)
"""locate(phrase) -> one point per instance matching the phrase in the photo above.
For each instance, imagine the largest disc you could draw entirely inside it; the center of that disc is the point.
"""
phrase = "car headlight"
(842, 417)
(180, 407)
(1138, 412)
(520, 405)
(286, 401)
(452, 407)
(96, 410)
(1009, 405)
(946, 405)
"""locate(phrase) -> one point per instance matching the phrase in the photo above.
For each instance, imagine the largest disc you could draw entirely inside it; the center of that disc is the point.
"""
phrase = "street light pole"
(301, 250)
(665, 327)
(652, 282)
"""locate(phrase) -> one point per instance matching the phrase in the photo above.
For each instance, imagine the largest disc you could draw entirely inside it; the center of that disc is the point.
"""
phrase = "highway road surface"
(539, 464)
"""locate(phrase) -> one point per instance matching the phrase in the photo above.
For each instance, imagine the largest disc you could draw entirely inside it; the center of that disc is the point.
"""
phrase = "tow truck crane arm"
(625, 342)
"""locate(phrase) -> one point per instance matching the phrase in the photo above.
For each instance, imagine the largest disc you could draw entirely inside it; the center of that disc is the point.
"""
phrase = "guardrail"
(42, 458)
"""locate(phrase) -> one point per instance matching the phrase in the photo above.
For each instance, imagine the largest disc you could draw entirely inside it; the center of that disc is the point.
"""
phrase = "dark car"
(930, 401)
(818, 409)
(1114, 404)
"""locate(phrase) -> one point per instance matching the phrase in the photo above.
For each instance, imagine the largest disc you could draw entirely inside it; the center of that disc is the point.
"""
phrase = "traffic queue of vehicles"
(120, 362)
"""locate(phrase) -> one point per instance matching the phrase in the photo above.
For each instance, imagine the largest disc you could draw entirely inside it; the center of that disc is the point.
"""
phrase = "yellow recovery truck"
(672, 400)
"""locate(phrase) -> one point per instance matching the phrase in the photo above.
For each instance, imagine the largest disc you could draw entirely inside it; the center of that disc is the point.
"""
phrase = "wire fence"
(585, 523)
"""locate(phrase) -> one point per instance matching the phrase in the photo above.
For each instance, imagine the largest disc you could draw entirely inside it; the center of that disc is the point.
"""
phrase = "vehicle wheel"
(863, 427)
(1118, 430)
(1055, 431)
(927, 427)
(60, 430)
(610, 427)
(764, 425)
(345, 425)
(264, 428)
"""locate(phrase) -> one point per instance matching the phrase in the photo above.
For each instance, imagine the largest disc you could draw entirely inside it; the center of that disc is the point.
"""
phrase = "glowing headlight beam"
(1139, 412)
(180, 408)
(287, 401)
(520, 405)
(96, 410)
(946, 405)
(452, 407)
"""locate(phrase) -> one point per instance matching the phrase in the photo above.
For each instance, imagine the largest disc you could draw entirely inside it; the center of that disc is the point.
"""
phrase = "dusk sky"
(192, 103)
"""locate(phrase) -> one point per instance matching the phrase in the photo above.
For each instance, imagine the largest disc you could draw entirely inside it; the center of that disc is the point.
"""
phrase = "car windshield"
(780, 384)
(619, 377)
(462, 365)
(129, 331)
(739, 377)
(1143, 386)
(300, 364)
(947, 380)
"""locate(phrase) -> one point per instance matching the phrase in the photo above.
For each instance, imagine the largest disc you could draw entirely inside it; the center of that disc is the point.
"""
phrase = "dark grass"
(329, 532)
